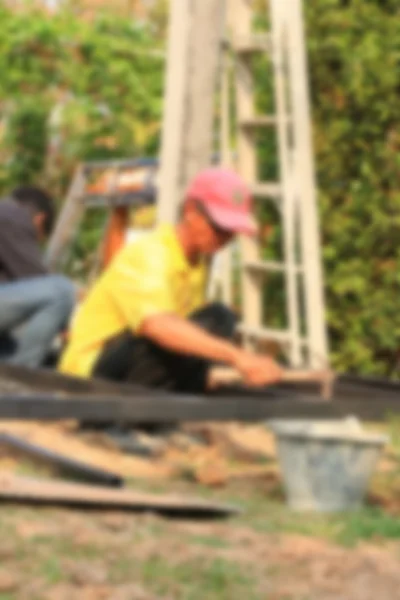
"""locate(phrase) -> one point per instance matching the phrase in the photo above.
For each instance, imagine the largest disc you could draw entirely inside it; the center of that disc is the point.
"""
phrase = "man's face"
(208, 238)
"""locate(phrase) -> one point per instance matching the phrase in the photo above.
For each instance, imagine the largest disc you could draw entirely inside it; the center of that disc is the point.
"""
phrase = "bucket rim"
(347, 432)
(350, 438)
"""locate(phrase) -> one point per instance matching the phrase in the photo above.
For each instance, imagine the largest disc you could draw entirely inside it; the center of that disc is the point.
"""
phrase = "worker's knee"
(217, 318)
(222, 312)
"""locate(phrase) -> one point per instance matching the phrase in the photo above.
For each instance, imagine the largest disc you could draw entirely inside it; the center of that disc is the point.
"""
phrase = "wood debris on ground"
(212, 454)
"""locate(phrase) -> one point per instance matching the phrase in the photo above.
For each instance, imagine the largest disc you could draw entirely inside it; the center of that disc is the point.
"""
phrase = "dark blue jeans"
(32, 313)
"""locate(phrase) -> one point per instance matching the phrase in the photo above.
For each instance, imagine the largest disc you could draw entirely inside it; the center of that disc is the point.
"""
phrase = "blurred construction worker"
(146, 320)
(34, 305)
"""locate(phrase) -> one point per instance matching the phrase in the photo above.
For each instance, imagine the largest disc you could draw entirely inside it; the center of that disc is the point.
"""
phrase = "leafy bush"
(82, 89)
(354, 49)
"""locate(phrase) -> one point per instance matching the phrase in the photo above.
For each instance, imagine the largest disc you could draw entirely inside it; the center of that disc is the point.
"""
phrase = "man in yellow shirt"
(146, 320)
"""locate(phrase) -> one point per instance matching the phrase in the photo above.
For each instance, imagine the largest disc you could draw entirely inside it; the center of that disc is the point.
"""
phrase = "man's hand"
(182, 336)
(257, 370)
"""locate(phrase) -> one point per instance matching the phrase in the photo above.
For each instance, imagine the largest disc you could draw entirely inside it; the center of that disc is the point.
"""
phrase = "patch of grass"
(51, 570)
(367, 524)
(120, 570)
(343, 528)
(263, 514)
(196, 580)
(394, 433)
(211, 541)
(266, 514)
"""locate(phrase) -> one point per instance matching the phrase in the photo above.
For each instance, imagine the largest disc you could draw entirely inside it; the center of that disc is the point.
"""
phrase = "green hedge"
(354, 49)
(105, 76)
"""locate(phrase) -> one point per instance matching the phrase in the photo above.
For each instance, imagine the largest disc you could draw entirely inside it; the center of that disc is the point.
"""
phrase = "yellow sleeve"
(138, 283)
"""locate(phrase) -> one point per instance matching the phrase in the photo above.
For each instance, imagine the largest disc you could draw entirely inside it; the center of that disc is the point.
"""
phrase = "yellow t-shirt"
(147, 277)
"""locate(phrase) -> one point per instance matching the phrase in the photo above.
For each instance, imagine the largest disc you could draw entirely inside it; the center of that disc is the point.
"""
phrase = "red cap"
(226, 199)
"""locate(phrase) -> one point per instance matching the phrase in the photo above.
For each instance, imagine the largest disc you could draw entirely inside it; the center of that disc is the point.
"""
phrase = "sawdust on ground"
(64, 439)
(219, 454)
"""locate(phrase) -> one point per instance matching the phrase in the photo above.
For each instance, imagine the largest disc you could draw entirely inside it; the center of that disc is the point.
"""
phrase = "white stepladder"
(196, 47)
(294, 193)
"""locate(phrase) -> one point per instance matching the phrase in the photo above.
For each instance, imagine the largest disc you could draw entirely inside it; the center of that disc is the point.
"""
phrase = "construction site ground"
(267, 552)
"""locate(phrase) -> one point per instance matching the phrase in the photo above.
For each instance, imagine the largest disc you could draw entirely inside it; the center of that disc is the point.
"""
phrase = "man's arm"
(182, 336)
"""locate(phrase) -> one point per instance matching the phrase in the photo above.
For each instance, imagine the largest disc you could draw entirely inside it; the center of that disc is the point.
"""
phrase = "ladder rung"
(266, 190)
(269, 266)
(254, 43)
(258, 121)
(279, 335)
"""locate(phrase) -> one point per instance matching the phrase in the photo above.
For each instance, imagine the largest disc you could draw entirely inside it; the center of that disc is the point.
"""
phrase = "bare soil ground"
(65, 555)
(267, 553)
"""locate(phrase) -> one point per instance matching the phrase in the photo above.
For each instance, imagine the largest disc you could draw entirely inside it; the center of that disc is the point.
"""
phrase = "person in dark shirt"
(34, 305)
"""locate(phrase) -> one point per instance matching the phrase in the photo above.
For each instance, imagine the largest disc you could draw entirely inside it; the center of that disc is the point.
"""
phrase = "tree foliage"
(82, 89)
(354, 49)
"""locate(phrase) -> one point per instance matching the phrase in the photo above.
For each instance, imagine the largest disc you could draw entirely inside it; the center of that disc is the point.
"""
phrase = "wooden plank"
(42, 395)
(160, 407)
(45, 491)
(67, 465)
(239, 405)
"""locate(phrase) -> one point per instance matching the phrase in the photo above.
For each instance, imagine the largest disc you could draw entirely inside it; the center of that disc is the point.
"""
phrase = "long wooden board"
(162, 408)
(44, 395)
(45, 491)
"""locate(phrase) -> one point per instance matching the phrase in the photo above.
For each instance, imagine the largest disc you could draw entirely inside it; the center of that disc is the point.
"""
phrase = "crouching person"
(35, 306)
(146, 320)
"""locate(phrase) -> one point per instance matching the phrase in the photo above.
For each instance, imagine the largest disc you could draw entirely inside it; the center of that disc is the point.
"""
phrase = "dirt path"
(64, 555)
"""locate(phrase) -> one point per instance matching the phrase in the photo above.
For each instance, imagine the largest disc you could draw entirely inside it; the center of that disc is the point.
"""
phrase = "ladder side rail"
(306, 186)
(221, 271)
(241, 21)
(67, 221)
(223, 263)
(287, 205)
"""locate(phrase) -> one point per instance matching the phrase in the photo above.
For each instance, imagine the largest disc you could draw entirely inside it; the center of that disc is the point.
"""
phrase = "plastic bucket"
(326, 465)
